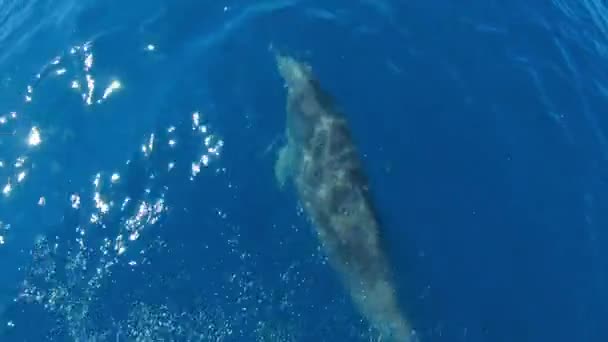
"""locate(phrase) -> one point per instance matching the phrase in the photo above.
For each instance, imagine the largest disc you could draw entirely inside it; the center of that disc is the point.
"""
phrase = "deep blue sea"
(138, 200)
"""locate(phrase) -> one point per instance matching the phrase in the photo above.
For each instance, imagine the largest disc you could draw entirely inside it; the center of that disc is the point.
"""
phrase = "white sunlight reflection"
(147, 148)
(20, 176)
(212, 143)
(101, 199)
(115, 178)
(6, 190)
(196, 117)
(19, 162)
(110, 89)
(88, 62)
(4, 229)
(148, 211)
(34, 137)
(88, 97)
(75, 201)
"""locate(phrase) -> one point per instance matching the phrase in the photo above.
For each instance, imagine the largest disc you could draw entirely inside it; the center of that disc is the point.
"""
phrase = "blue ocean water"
(138, 140)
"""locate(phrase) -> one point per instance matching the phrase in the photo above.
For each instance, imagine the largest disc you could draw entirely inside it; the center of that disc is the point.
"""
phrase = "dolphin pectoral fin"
(283, 167)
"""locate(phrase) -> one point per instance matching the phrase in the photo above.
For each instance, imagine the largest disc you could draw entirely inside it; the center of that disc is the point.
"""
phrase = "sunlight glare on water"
(101, 200)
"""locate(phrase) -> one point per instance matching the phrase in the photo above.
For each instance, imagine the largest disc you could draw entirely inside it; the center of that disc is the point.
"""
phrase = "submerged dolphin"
(321, 160)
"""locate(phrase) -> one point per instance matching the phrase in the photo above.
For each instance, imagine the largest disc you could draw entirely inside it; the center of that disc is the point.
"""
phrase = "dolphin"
(321, 161)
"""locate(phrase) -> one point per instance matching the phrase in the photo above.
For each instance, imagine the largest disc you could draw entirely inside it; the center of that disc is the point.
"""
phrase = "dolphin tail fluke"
(378, 303)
